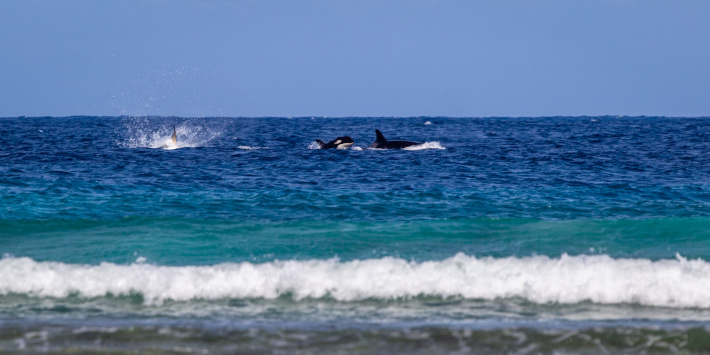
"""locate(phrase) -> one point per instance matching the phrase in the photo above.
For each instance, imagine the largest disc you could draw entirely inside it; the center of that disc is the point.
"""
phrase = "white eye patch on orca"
(343, 142)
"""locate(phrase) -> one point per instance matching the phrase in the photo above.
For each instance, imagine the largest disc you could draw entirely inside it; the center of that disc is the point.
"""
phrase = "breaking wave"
(539, 279)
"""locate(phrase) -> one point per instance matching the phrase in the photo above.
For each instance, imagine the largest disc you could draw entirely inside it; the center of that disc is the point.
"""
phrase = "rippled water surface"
(577, 234)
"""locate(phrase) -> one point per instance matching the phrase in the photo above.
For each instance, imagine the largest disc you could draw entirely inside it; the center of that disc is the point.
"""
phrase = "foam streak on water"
(425, 145)
(169, 339)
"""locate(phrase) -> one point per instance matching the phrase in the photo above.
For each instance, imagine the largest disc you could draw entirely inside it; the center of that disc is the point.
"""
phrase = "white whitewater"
(539, 279)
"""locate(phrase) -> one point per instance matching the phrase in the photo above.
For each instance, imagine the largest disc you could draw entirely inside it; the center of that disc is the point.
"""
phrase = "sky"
(354, 58)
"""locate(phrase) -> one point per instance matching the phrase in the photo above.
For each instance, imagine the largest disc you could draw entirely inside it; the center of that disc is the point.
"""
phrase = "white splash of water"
(678, 283)
(425, 145)
(156, 133)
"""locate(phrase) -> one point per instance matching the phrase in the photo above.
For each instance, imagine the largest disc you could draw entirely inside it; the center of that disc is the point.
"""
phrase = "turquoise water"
(568, 233)
(172, 241)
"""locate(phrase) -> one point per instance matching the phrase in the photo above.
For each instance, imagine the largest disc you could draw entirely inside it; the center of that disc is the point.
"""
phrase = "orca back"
(321, 144)
(382, 143)
(343, 142)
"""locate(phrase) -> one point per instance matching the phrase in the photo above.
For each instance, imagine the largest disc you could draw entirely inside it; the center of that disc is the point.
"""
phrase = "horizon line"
(343, 117)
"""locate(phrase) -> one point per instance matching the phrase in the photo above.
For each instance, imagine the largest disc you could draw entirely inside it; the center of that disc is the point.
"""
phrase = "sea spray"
(147, 132)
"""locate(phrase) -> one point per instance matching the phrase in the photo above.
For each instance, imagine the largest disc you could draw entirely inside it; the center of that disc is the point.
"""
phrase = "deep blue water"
(536, 225)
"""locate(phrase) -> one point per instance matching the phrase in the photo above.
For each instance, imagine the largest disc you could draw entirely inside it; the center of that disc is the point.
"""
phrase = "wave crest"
(539, 279)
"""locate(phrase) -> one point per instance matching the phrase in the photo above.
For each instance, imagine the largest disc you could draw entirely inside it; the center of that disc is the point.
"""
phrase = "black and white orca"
(382, 143)
(337, 143)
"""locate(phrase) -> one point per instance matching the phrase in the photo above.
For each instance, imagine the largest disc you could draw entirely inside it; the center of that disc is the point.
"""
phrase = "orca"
(174, 136)
(382, 143)
(337, 143)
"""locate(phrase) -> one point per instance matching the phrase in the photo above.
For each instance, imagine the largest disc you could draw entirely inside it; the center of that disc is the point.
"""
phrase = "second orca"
(382, 143)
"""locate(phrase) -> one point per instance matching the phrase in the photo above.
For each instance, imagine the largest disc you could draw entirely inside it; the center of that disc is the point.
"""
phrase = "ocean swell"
(538, 279)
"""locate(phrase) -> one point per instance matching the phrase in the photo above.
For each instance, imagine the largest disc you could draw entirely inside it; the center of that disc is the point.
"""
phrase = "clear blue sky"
(355, 58)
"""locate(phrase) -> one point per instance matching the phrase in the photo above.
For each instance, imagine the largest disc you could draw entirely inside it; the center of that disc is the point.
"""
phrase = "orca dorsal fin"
(174, 136)
(380, 137)
(321, 144)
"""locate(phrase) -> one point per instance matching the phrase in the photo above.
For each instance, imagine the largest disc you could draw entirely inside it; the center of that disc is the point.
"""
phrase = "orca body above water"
(173, 138)
(382, 143)
(337, 143)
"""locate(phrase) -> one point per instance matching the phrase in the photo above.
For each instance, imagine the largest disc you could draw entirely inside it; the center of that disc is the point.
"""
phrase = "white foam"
(315, 145)
(246, 147)
(167, 145)
(425, 145)
(539, 279)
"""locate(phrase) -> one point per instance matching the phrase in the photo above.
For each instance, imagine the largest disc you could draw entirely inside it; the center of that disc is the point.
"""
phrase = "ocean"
(496, 235)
